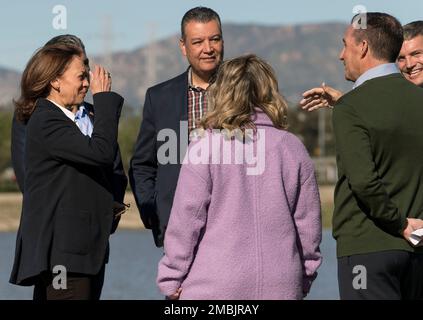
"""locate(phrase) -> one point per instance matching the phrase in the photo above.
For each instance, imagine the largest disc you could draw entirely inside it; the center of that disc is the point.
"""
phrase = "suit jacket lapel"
(180, 99)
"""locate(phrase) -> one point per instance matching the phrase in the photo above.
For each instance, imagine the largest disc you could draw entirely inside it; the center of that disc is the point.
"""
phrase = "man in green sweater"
(379, 143)
(409, 61)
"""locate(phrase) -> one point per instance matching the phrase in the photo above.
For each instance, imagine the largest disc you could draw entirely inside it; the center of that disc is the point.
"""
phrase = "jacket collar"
(261, 119)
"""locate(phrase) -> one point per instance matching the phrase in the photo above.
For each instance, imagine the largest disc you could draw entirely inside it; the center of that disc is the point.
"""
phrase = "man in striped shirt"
(171, 111)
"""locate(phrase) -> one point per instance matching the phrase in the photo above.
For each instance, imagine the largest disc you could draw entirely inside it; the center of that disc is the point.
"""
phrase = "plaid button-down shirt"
(197, 103)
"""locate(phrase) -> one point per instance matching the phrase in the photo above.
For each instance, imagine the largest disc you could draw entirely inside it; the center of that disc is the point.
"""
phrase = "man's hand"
(320, 97)
(100, 80)
(412, 224)
(176, 295)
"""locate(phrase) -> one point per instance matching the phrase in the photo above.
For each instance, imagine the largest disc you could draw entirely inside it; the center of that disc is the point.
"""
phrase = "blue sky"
(27, 25)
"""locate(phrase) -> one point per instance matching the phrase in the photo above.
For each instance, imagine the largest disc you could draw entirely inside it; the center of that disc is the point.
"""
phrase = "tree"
(129, 126)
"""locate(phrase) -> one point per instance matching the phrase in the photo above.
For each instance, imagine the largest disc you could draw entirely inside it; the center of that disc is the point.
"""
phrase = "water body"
(132, 269)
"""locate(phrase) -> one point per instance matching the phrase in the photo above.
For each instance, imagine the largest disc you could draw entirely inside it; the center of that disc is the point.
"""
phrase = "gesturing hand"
(319, 97)
(100, 80)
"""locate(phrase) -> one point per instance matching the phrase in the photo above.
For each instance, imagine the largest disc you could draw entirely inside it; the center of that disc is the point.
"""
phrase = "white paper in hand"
(416, 236)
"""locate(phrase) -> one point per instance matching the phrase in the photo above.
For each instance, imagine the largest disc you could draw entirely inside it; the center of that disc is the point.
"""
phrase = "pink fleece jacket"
(233, 235)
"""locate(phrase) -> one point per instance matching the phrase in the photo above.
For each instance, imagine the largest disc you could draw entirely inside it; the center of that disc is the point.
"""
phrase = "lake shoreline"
(11, 202)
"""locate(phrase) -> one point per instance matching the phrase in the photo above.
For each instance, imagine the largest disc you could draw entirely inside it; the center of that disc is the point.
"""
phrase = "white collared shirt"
(82, 121)
(68, 113)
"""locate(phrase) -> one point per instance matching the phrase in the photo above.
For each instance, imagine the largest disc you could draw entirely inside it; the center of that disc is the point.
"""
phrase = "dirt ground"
(10, 210)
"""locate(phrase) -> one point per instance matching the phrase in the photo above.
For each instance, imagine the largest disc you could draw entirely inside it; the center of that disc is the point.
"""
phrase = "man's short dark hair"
(199, 14)
(384, 34)
(413, 29)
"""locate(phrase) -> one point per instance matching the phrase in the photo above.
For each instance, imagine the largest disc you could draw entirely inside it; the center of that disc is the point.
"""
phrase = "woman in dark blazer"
(116, 173)
(67, 217)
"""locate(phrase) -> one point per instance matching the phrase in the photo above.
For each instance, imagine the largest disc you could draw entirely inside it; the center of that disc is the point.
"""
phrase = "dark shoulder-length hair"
(47, 64)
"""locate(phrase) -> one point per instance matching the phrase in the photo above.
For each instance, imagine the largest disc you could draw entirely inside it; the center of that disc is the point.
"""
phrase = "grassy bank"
(10, 210)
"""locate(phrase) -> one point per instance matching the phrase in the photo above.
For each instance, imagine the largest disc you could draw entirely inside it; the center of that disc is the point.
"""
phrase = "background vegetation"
(303, 124)
(128, 132)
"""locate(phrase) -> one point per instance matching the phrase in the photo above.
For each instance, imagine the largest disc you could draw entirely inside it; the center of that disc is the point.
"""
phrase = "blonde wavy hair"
(241, 85)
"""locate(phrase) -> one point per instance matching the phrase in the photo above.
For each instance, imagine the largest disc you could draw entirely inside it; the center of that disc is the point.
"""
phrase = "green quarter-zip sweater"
(379, 148)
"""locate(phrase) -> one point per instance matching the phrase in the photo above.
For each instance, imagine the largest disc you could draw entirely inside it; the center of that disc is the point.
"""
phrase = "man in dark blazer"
(171, 110)
(116, 174)
(379, 148)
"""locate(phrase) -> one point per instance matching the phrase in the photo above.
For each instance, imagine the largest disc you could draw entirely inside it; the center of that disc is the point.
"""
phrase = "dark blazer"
(153, 183)
(66, 218)
(116, 173)
(17, 150)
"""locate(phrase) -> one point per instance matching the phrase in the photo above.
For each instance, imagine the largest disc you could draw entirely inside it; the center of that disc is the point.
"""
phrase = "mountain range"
(303, 56)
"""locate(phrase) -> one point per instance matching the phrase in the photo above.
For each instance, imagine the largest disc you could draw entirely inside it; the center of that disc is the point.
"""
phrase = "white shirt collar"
(68, 113)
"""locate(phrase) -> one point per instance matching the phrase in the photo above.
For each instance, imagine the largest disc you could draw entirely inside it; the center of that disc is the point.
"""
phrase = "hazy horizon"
(110, 26)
